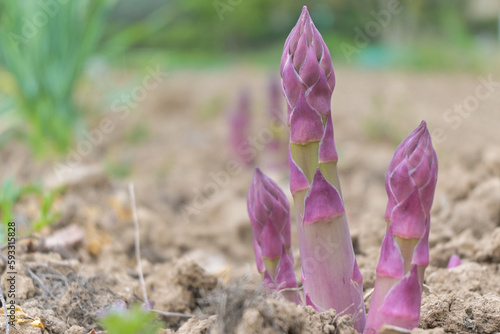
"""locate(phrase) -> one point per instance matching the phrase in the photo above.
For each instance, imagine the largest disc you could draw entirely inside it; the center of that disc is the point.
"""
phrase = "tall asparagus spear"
(410, 184)
(269, 213)
(275, 155)
(330, 274)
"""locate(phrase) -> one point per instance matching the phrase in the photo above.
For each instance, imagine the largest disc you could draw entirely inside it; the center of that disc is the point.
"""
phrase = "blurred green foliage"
(133, 321)
(11, 193)
(126, 30)
(47, 215)
(44, 46)
(237, 25)
(119, 169)
(138, 134)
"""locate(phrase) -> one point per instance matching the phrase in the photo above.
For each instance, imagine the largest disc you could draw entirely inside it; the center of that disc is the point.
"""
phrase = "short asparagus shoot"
(269, 213)
(410, 184)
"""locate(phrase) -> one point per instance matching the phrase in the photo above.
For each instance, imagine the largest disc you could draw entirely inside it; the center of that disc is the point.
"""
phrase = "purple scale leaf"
(308, 29)
(402, 303)
(420, 173)
(258, 255)
(298, 180)
(391, 261)
(327, 149)
(418, 154)
(356, 274)
(269, 282)
(305, 124)
(408, 217)
(271, 242)
(330, 74)
(292, 85)
(309, 302)
(421, 253)
(319, 96)
(319, 47)
(284, 273)
(323, 202)
(299, 56)
(310, 71)
(400, 182)
(427, 195)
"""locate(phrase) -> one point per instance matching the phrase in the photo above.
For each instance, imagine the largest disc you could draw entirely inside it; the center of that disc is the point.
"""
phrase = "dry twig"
(137, 243)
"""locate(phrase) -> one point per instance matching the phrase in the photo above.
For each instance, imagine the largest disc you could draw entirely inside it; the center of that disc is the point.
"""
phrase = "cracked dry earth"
(71, 271)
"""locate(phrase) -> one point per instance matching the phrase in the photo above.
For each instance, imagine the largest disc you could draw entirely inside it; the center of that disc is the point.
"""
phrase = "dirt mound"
(462, 312)
(242, 308)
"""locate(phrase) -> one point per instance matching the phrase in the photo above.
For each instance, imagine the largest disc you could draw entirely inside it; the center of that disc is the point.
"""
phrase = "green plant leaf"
(133, 321)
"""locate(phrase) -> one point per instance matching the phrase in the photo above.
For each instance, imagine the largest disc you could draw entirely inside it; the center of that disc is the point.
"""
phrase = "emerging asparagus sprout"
(269, 213)
(454, 261)
(410, 184)
(330, 275)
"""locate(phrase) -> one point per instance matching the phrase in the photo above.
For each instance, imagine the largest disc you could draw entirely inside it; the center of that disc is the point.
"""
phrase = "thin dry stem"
(139, 263)
(39, 281)
(368, 294)
(291, 289)
(137, 242)
(174, 314)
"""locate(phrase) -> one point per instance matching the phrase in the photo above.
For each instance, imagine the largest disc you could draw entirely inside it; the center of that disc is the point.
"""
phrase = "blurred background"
(53, 54)
(178, 96)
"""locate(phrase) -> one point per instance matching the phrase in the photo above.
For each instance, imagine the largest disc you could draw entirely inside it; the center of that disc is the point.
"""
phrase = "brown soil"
(203, 264)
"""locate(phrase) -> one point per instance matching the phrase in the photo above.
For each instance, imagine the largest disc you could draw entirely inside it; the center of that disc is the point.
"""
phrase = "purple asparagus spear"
(410, 184)
(269, 213)
(240, 120)
(330, 274)
(275, 155)
(275, 100)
